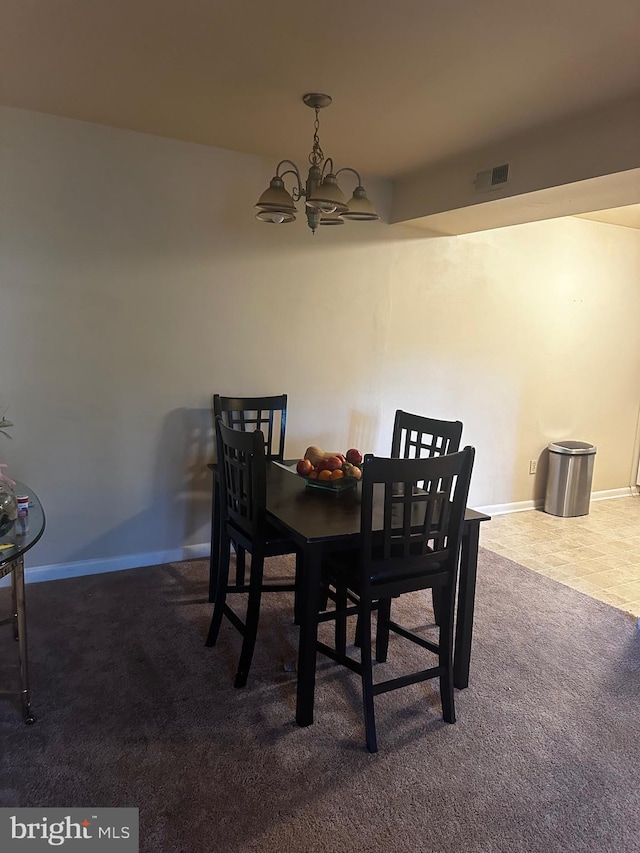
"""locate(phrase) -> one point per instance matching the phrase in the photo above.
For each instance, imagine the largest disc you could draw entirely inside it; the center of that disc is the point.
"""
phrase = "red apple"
(333, 463)
(321, 465)
(354, 456)
(304, 467)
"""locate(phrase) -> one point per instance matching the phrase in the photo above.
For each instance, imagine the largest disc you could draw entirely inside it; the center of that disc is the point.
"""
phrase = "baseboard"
(56, 571)
(523, 506)
(629, 491)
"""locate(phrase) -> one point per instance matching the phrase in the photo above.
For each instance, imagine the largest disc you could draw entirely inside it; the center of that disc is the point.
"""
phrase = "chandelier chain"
(317, 156)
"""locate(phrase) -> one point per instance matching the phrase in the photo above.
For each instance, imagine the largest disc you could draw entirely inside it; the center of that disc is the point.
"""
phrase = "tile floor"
(598, 554)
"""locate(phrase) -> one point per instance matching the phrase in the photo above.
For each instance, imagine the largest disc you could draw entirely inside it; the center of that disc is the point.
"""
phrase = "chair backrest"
(267, 414)
(410, 532)
(243, 478)
(415, 437)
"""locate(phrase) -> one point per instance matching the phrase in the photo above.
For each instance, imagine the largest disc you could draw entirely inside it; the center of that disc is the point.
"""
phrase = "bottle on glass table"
(22, 522)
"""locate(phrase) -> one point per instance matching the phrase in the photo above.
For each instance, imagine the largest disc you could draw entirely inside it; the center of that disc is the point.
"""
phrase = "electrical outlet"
(533, 466)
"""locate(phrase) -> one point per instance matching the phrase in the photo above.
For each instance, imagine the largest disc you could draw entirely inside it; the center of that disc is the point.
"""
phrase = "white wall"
(135, 282)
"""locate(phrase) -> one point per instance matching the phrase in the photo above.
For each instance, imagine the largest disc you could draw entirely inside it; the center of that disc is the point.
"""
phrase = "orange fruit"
(324, 475)
(337, 475)
(313, 475)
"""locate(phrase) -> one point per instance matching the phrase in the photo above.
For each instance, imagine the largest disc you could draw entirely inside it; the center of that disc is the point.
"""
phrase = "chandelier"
(325, 203)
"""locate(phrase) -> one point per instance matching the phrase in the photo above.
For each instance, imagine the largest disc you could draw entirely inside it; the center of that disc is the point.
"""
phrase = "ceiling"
(629, 216)
(413, 82)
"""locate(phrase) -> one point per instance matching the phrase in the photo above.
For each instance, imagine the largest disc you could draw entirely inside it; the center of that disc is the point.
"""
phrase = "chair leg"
(341, 619)
(382, 630)
(437, 605)
(367, 675)
(216, 526)
(240, 565)
(251, 620)
(220, 598)
(357, 640)
(323, 596)
(445, 660)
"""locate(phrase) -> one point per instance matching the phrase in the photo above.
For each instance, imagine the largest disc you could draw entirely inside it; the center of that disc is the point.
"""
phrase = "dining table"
(319, 521)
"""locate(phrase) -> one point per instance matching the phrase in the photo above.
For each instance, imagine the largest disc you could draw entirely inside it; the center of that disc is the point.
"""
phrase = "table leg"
(22, 641)
(214, 558)
(311, 574)
(14, 606)
(466, 599)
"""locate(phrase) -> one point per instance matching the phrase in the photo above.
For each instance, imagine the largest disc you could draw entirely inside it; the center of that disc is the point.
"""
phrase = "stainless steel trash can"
(570, 475)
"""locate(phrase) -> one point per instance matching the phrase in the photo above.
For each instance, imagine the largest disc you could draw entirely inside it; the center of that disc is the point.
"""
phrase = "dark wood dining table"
(318, 522)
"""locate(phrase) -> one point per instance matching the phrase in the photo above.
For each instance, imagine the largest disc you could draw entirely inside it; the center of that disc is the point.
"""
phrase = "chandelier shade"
(325, 203)
(331, 219)
(360, 207)
(275, 204)
(328, 197)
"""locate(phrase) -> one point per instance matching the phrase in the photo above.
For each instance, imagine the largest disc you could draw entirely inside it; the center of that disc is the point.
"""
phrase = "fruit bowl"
(341, 485)
(331, 472)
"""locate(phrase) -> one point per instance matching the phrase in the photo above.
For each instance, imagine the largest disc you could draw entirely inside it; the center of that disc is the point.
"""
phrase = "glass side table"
(13, 546)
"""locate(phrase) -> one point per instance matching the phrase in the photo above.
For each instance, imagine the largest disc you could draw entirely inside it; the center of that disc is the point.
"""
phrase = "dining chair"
(416, 437)
(268, 414)
(410, 540)
(242, 470)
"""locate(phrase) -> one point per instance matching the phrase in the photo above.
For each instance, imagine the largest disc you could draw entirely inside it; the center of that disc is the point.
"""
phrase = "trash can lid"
(573, 448)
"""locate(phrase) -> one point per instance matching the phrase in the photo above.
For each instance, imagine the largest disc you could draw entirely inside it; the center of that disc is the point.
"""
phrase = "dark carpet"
(133, 710)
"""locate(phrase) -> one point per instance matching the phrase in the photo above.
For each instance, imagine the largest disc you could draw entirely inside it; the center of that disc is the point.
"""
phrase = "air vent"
(492, 179)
